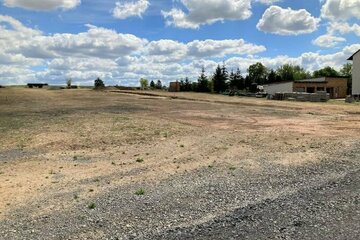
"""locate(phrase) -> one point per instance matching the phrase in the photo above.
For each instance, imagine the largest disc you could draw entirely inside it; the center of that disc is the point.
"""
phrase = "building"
(355, 73)
(174, 87)
(278, 87)
(336, 87)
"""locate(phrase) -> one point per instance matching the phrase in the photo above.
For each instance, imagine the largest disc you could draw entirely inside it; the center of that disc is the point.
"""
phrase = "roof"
(352, 57)
(313, 80)
(318, 80)
(276, 83)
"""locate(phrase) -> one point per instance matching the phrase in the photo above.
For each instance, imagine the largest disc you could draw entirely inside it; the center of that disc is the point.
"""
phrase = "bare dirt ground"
(210, 166)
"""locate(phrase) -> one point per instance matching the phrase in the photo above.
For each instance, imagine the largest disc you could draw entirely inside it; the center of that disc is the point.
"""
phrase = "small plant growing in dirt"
(76, 196)
(92, 206)
(139, 160)
(232, 168)
(91, 190)
(140, 192)
(182, 145)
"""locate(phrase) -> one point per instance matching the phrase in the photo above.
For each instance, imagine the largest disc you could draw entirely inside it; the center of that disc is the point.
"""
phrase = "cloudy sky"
(124, 40)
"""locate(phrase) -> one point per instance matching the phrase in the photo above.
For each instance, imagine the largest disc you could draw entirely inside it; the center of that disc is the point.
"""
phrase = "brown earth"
(62, 148)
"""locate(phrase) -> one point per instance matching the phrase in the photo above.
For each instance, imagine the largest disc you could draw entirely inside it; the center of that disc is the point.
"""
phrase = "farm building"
(335, 86)
(174, 87)
(277, 87)
(355, 73)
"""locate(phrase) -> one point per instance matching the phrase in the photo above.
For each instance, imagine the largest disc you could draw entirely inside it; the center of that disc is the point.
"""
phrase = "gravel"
(312, 201)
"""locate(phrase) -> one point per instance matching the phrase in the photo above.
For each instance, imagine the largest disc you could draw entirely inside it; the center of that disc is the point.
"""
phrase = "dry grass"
(67, 142)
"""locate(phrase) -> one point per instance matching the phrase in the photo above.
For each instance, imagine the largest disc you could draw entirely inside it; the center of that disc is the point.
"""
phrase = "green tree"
(220, 78)
(257, 73)
(187, 85)
(289, 72)
(346, 71)
(152, 84)
(68, 83)
(272, 76)
(99, 83)
(158, 84)
(237, 80)
(325, 72)
(144, 83)
(203, 82)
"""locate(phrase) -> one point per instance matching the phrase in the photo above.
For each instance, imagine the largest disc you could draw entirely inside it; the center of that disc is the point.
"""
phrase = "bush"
(99, 83)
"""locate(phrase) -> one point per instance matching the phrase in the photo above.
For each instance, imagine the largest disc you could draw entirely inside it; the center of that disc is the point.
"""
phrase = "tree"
(99, 83)
(187, 85)
(219, 79)
(272, 76)
(236, 80)
(158, 84)
(325, 72)
(152, 84)
(289, 72)
(68, 83)
(346, 71)
(257, 73)
(203, 82)
(144, 83)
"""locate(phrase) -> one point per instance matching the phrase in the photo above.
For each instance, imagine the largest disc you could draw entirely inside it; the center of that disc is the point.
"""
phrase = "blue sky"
(124, 40)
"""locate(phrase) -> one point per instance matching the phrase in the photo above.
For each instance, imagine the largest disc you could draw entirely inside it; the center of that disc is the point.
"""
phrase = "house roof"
(352, 57)
(313, 80)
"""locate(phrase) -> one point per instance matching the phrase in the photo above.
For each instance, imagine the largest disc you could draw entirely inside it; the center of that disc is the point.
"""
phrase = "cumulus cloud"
(130, 9)
(328, 41)
(42, 5)
(267, 2)
(340, 9)
(124, 58)
(199, 13)
(344, 28)
(282, 21)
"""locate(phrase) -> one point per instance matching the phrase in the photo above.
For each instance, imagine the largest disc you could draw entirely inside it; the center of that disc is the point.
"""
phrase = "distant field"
(107, 164)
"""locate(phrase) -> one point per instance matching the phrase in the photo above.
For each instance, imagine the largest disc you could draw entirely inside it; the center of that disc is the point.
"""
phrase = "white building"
(279, 87)
(355, 73)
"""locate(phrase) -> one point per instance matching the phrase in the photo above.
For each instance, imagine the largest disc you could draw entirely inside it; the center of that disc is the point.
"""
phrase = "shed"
(335, 86)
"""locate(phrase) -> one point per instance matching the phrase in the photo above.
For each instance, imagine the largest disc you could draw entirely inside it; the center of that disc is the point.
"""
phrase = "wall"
(336, 87)
(278, 88)
(356, 74)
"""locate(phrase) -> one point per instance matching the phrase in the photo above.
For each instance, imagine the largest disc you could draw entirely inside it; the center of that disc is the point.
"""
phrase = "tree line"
(257, 74)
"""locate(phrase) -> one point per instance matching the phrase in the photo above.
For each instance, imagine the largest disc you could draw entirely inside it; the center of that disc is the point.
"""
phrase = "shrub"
(139, 192)
(99, 83)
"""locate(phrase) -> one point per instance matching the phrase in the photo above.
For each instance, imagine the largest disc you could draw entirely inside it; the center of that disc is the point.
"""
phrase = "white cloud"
(267, 2)
(282, 21)
(328, 41)
(130, 9)
(212, 11)
(215, 48)
(123, 58)
(340, 9)
(343, 28)
(43, 5)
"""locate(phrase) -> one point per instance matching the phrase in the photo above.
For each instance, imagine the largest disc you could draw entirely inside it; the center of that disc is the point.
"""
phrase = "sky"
(121, 41)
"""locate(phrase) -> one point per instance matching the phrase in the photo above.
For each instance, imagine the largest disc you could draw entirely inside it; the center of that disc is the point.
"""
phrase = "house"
(336, 87)
(278, 87)
(174, 87)
(355, 73)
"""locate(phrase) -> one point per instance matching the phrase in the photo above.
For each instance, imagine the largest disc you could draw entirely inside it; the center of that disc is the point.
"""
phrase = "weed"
(76, 196)
(232, 168)
(92, 206)
(139, 160)
(75, 158)
(113, 163)
(91, 190)
(210, 166)
(182, 145)
(139, 192)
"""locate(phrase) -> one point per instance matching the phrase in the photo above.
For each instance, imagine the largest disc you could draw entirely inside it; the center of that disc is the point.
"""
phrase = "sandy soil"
(63, 148)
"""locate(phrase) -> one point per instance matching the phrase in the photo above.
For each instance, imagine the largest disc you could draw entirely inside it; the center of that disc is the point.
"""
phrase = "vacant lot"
(82, 164)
